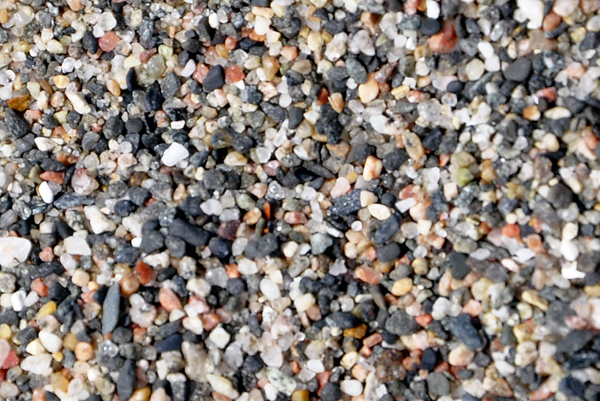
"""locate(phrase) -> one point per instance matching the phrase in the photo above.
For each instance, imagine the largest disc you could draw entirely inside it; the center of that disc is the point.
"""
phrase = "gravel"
(299, 199)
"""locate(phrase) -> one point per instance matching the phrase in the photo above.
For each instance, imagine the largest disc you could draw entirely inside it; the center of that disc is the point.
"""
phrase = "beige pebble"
(402, 287)
(533, 297)
(460, 356)
(369, 90)
(367, 198)
(80, 278)
(380, 212)
(373, 167)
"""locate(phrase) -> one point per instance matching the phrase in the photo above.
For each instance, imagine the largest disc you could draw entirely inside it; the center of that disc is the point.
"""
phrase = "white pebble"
(50, 341)
(220, 337)
(45, 192)
(174, 154)
(352, 388)
(13, 250)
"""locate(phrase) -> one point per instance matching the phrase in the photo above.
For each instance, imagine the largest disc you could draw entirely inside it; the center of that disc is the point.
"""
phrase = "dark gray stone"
(111, 308)
(401, 324)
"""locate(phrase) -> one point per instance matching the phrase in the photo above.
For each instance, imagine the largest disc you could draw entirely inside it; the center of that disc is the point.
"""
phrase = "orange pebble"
(511, 230)
(200, 73)
(11, 360)
(46, 254)
(39, 287)
(169, 300)
(424, 320)
(367, 275)
(83, 351)
(235, 73)
(53, 176)
(444, 41)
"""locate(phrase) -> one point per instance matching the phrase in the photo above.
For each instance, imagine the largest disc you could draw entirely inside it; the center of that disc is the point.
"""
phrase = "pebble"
(462, 327)
(13, 251)
(215, 79)
(111, 309)
(519, 70)
(174, 154)
(401, 324)
(222, 386)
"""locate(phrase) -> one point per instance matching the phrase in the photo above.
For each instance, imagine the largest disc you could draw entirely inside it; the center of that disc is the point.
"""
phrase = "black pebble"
(331, 392)
(519, 70)
(90, 42)
(215, 78)
(126, 380)
(430, 26)
(458, 261)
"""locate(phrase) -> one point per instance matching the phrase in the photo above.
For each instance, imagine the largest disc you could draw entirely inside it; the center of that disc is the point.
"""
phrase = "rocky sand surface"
(255, 200)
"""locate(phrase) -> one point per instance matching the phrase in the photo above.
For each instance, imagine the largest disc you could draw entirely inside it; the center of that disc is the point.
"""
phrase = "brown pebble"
(129, 284)
(444, 41)
(19, 103)
(551, 21)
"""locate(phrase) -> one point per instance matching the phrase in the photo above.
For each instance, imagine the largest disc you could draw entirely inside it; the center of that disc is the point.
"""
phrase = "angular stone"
(14, 250)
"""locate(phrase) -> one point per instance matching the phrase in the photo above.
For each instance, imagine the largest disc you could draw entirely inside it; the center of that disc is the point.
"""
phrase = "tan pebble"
(367, 198)
(380, 212)
(80, 278)
(402, 287)
(372, 169)
(159, 395)
(532, 113)
(302, 66)
(61, 81)
(413, 146)
(83, 351)
(533, 298)
(368, 91)
(336, 100)
(142, 394)
(270, 67)
(113, 87)
(252, 216)
(129, 284)
(300, 395)
(289, 52)
(314, 41)
(70, 341)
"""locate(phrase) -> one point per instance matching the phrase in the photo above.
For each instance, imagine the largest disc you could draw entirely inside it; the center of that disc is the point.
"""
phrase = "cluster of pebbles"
(255, 200)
